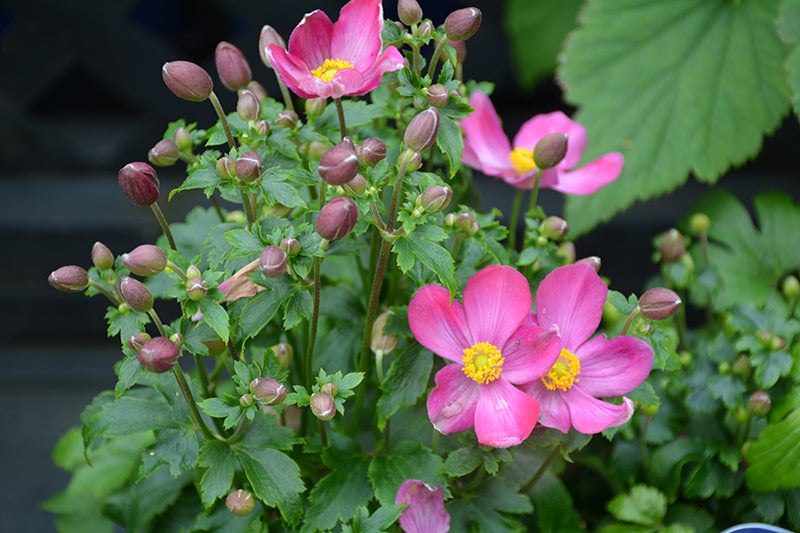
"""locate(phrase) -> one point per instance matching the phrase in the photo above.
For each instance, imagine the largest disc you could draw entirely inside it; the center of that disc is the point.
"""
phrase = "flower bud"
(240, 502)
(435, 198)
(139, 182)
(450, 220)
(437, 95)
(102, 258)
(183, 139)
(273, 261)
(742, 367)
(136, 294)
(460, 48)
(550, 150)
(554, 227)
(790, 287)
(317, 149)
(425, 29)
(659, 303)
(145, 260)
(246, 400)
(268, 391)
(356, 186)
(69, 279)
(412, 160)
(379, 340)
(135, 342)
(177, 338)
(673, 246)
(249, 166)
(196, 288)
(422, 130)
(759, 403)
(592, 261)
(262, 127)
(566, 251)
(284, 353)
(330, 388)
(267, 37)
(257, 89)
(462, 24)
(464, 221)
(232, 66)
(699, 222)
(287, 119)
(371, 152)
(226, 167)
(409, 12)
(164, 153)
(339, 164)
(337, 218)
(290, 245)
(248, 107)
(777, 343)
(315, 106)
(193, 271)
(187, 80)
(322, 405)
(158, 354)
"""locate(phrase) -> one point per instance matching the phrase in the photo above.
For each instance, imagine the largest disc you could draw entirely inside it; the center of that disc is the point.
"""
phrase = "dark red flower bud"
(659, 303)
(226, 167)
(135, 342)
(422, 130)
(268, 391)
(136, 294)
(290, 245)
(339, 164)
(102, 258)
(69, 279)
(145, 260)
(196, 288)
(464, 221)
(249, 166)
(409, 12)
(371, 152)
(232, 66)
(187, 80)
(248, 107)
(139, 182)
(554, 227)
(357, 186)
(759, 403)
(435, 198)
(462, 24)
(287, 119)
(240, 502)
(164, 153)
(673, 246)
(273, 261)
(258, 90)
(158, 354)
(323, 405)
(337, 218)
(591, 260)
(268, 36)
(437, 95)
(550, 150)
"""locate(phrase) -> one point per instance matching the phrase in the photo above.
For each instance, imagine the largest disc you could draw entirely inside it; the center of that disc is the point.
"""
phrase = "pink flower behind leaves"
(326, 59)
(487, 149)
(493, 346)
(425, 512)
(571, 299)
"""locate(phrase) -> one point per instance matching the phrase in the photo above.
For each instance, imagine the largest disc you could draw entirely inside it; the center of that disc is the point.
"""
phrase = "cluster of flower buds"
(463, 222)
(337, 218)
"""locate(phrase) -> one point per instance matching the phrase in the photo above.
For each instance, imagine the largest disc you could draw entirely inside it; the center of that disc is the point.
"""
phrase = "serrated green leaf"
(244, 242)
(668, 460)
(179, 449)
(789, 29)
(727, 388)
(215, 316)
(379, 521)
(260, 310)
(450, 142)
(404, 460)
(483, 512)
(406, 380)
(774, 456)
(435, 257)
(128, 371)
(220, 463)
(141, 501)
(281, 192)
(462, 461)
(217, 408)
(275, 479)
(770, 506)
(554, 508)
(643, 505)
(299, 307)
(132, 414)
(708, 77)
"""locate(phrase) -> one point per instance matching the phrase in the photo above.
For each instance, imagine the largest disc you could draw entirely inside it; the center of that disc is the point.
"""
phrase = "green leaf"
(727, 388)
(141, 501)
(128, 371)
(434, 256)
(218, 408)
(220, 463)
(668, 460)
(451, 144)
(708, 76)
(177, 448)
(261, 308)
(404, 460)
(554, 508)
(215, 316)
(138, 411)
(485, 511)
(774, 456)
(769, 506)
(244, 242)
(125, 323)
(643, 505)
(275, 479)
(379, 521)
(462, 461)
(789, 29)
(406, 380)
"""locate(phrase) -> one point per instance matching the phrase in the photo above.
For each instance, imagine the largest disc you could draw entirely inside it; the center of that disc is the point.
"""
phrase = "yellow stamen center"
(564, 372)
(522, 159)
(483, 362)
(329, 68)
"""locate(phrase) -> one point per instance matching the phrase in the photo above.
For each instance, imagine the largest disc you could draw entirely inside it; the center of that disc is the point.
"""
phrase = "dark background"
(81, 95)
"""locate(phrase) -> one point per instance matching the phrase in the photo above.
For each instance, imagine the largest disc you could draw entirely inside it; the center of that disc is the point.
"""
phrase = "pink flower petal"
(504, 416)
(439, 323)
(357, 34)
(292, 70)
(537, 127)
(484, 133)
(390, 60)
(590, 415)
(615, 367)
(451, 404)
(553, 410)
(496, 301)
(529, 354)
(311, 39)
(425, 512)
(591, 177)
(571, 298)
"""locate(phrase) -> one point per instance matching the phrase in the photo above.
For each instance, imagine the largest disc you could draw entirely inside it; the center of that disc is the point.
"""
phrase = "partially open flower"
(145, 260)
(339, 164)
(69, 279)
(139, 182)
(187, 80)
(136, 294)
(158, 354)
(337, 218)
(462, 24)
(232, 66)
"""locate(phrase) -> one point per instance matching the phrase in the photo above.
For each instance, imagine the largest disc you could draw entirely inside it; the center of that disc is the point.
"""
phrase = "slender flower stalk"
(164, 226)
(340, 112)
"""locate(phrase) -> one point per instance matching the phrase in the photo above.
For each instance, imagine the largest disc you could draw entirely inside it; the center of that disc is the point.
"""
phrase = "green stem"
(287, 97)
(379, 364)
(175, 268)
(542, 469)
(201, 375)
(435, 58)
(535, 191)
(248, 208)
(217, 207)
(157, 322)
(222, 119)
(512, 227)
(629, 320)
(312, 330)
(340, 111)
(239, 430)
(322, 434)
(643, 445)
(106, 292)
(187, 395)
(457, 241)
(164, 226)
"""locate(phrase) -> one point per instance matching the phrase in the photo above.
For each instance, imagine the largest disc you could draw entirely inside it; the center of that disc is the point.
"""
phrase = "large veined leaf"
(789, 29)
(679, 86)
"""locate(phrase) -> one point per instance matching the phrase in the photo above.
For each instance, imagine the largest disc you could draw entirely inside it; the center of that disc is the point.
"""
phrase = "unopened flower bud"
(226, 167)
(246, 400)
(371, 152)
(187, 80)
(409, 12)
(102, 258)
(317, 149)
(412, 160)
(183, 139)
(378, 339)
(566, 251)
(450, 220)
(315, 106)
(69, 279)
(437, 95)
(136, 294)
(659, 303)
(249, 166)
(339, 164)
(591, 260)
(267, 37)
(290, 245)
(323, 405)
(337, 218)
(145, 260)
(135, 342)
(232, 66)
(268, 391)
(164, 153)
(177, 338)
(422, 130)
(193, 271)
(777, 343)
(759, 403)
(464, 221)
(287, 119)
(435, 198)
(262, 127)
(258, 90)
(248, 106)
(196, 288)
(240, 502)
(158, 354)
(425, 29)
(554, 227)
(330, 388)
(550, 150)
(462, 24)
(673, 246)
(284, 353)
(139, 182)
(790, 287)
(273, 261)
(699, 222)
(742, 367)
(356, 186)
(460, 48)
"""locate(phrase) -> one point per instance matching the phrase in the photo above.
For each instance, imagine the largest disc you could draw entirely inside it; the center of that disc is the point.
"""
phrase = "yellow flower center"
(522, 159)
(329, 68)
(564, 372)
(483, 362)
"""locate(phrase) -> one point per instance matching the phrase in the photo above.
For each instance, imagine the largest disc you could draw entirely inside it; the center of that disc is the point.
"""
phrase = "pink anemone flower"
(425, 512)
(493, 345)
(487, 149)
(571, 299)
(326, 59)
